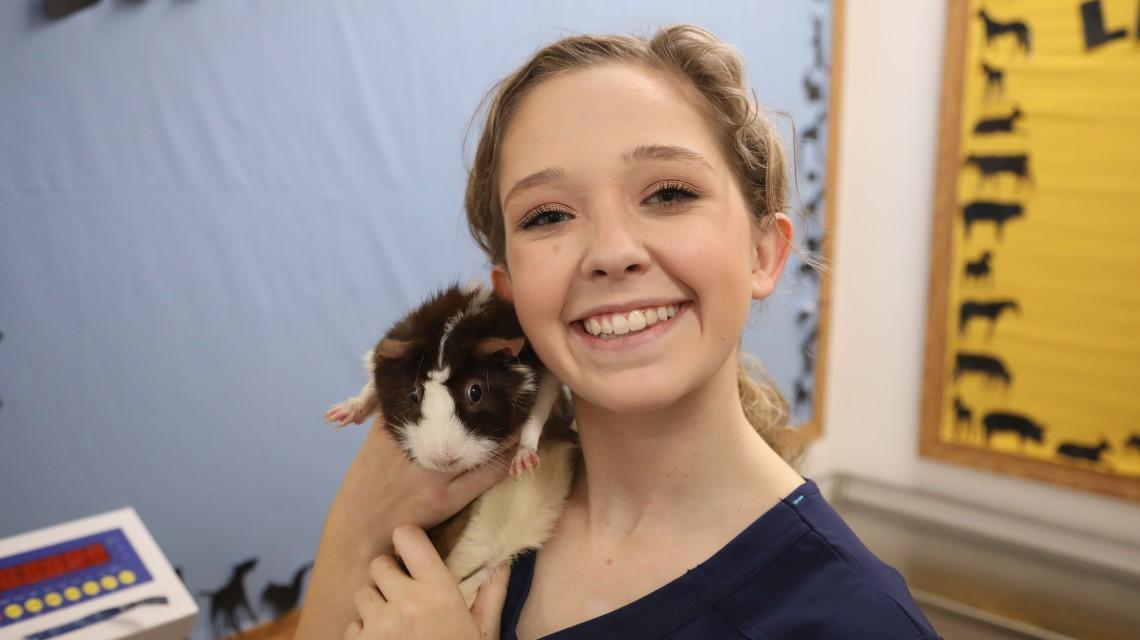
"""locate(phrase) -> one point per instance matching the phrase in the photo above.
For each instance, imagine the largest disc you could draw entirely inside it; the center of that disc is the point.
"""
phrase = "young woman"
(630, 197)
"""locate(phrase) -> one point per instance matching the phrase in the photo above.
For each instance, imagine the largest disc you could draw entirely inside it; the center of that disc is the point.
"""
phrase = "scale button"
(13, 611)
(53, 599)
(90, 587)
(71, 593)
(126, 576)
(109, 582)
(34, 605)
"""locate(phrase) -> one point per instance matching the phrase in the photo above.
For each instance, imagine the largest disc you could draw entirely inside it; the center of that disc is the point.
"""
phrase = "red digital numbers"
(53, 566)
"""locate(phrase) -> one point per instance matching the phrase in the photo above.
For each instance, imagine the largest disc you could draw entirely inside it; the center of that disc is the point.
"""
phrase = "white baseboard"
(1110, 556)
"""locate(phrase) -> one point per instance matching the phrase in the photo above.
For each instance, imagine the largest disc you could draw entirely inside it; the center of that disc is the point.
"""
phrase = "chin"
(640, 399)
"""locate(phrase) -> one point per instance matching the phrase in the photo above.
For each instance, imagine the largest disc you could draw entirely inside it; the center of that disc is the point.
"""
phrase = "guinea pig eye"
(474, 393)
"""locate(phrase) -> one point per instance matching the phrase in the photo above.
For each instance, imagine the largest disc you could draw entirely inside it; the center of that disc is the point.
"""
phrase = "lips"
(622, 323)
(630, 339)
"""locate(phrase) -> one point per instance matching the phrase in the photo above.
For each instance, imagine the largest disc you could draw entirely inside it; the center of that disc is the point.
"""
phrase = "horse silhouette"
(1017, 28)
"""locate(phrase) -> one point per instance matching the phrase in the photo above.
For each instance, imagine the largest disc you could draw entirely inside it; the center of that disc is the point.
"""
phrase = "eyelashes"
(677, 192)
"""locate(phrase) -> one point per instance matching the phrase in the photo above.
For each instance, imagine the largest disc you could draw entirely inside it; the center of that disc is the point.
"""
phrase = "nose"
(615, 246)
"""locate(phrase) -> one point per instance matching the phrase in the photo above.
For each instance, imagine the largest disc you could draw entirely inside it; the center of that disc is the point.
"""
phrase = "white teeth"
(620, 324)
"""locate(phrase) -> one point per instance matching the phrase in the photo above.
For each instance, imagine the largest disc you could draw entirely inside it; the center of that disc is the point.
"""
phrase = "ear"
(395, 349)
(770, 249)
(487, 346)
(501, 280)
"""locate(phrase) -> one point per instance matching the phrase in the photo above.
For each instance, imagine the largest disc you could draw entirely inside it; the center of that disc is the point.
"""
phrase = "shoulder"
(822, 582)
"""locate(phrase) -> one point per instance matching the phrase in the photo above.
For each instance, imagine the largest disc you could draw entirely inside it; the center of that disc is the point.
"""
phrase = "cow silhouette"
(1001, 422)
(988, 310)
(988, 366)
(979, 269)
(992, 166)
(1017, 28)
(998, 125)
(1081, 453)
(998, 213)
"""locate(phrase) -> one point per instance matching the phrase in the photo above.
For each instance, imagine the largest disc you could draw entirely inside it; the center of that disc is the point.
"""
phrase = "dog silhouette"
(1133, 442)
(998, 125)
(988, 310)
(283, 598)
(1081, 453)
(980, 269)
(226, 602)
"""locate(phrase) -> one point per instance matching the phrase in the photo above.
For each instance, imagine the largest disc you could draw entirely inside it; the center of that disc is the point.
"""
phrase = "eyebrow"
(641, 153)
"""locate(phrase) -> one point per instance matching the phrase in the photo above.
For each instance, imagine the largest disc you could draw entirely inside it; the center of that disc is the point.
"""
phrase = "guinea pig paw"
(525, 460)
(346, 412)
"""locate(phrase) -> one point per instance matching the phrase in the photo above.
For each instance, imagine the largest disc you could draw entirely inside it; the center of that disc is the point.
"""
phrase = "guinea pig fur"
(455, 380)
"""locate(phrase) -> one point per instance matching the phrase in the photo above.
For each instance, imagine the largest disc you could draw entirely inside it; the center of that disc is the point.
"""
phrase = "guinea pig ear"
(488, 346)
(389, 348)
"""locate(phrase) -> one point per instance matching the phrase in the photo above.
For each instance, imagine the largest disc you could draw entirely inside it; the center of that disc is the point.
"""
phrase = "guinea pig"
(455, 380)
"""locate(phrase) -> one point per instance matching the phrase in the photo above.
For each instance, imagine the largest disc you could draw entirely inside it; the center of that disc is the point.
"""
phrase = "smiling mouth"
(616, 327)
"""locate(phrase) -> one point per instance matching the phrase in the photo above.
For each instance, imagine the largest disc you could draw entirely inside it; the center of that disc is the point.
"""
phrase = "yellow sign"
(1033, 360)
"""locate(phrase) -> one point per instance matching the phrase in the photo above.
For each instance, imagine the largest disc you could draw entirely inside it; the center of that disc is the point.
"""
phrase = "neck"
(695, 462)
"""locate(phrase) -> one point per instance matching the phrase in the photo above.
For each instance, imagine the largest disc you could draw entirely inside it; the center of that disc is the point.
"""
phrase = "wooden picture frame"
(1041, 459)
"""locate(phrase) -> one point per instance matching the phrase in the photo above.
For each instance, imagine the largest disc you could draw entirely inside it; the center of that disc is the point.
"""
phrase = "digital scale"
(96, 578)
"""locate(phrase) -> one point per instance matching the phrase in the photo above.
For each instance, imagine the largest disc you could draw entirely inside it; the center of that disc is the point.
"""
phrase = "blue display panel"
(45, 580)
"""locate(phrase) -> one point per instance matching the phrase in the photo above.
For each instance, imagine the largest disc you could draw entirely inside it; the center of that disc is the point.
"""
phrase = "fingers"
(388, 576)
(488, 606)
(420, 557)
(367, 601)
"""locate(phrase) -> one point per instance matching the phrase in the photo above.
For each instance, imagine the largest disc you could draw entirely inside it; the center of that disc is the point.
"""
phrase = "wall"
(888, 116)
(210, 209)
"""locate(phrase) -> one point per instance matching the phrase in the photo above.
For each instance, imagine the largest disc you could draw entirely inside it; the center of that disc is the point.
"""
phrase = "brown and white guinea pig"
(455, 380)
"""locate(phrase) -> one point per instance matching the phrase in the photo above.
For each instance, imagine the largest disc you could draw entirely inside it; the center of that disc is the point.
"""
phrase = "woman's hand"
(427, 603)
(381, 490)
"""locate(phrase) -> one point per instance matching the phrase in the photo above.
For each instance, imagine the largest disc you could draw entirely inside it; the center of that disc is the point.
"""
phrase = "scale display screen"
(50, 578)
(53, 566)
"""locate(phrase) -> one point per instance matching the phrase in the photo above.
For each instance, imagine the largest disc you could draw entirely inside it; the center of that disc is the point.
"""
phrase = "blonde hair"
(712, 72)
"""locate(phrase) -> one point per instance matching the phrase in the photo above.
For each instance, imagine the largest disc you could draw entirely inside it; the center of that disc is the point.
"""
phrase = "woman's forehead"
(614, 112)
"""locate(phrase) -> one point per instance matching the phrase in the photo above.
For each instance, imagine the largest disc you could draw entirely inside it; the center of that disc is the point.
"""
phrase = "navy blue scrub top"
(797, 573)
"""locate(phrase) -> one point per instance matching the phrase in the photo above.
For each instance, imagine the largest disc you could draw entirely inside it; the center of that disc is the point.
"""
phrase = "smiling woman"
(630, 197)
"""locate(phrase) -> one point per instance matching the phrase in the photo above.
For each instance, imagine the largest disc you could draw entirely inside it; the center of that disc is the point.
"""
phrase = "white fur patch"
(481, 296)
(440, 441)
(513, 516)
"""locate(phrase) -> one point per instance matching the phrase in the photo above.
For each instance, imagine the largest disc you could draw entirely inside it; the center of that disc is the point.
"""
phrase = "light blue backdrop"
(209, 209)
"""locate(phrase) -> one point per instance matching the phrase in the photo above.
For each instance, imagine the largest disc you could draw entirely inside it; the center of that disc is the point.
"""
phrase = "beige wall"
(888, 114)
